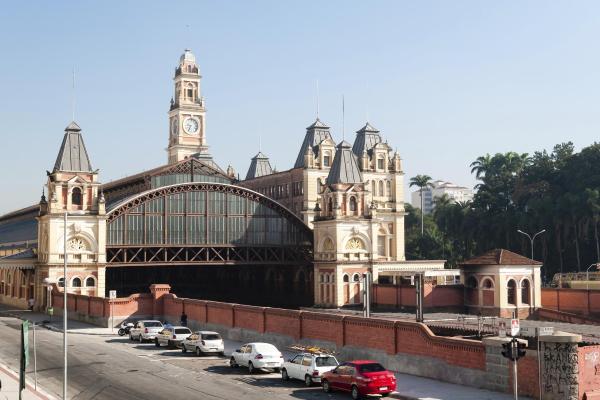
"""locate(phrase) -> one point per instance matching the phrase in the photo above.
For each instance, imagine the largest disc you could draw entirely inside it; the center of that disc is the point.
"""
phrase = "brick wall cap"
(497, 341)
(561, 337)
(160, 286)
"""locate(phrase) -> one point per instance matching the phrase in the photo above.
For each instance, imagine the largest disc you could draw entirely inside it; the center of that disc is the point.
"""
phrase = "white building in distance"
(439, 188)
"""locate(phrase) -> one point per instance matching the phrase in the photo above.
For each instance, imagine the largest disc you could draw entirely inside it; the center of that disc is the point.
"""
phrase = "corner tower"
(74, 197)
(187, 114)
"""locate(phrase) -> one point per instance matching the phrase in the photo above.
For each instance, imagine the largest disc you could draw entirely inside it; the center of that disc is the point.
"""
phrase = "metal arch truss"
(196, 255)
(206, 187)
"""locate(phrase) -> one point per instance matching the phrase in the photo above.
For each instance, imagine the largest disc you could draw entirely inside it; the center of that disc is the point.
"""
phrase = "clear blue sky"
(444, 81)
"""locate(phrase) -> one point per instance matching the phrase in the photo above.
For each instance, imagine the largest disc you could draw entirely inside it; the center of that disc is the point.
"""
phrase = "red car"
(361, 378)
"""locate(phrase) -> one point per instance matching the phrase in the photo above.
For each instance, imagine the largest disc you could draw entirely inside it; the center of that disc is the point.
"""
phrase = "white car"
(145, 330)
(172, 336)
(257, 356)
(308, 367)
(203, 342)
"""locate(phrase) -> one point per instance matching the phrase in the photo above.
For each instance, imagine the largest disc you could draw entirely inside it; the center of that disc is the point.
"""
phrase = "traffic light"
(507, 350)
(521, 350)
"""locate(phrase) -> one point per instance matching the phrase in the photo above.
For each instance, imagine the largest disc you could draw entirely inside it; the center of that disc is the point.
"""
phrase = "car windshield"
(152, 324)
(182, 331)
(374, 367)
(211, 336)
(265, 348)
(326, 362)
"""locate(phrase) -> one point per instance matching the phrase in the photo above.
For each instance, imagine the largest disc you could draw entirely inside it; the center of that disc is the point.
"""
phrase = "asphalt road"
(108, 367)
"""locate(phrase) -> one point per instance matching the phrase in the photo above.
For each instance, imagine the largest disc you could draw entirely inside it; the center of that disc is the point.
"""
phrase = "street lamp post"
(587, 274)
(65, 285)
(531, 239)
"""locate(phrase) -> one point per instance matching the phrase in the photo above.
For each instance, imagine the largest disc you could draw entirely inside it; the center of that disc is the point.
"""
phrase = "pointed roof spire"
(315, 134)
(366, 137)
(259, 166)
(72, 156)
(344, 168)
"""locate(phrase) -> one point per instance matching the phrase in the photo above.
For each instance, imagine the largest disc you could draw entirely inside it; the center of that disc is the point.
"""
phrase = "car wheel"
(250, 368)
(326, 387)
(199, 352)
(232, 362)
(355, 393)
(131, 337)
(276, 370)
(140, 338)
(170, 344)
(385, 394)
(284, 375)
(183, 349)
(308, 380)
(156, 342)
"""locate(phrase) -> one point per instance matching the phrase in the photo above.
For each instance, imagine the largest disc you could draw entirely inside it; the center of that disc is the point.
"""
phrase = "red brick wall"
(284, 322)
(578, 301)
(488, 297)
(370, 333)
(249, 317)
(327, 327)
(405, 296)
(589, 369)
(527, 371)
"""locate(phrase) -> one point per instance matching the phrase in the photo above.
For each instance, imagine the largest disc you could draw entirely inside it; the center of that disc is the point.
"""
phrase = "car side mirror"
(238, 350)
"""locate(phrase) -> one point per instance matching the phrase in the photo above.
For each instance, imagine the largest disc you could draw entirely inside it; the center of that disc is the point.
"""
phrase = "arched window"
(326, 159)
(319, 185)
(381, 188)
(511, 288)
(346, 278)
(374, 188)
(76, 282)
(525, 298)
(487, 284)
(90, 281)
(380, 162)
(189, 91)
(76, 198)
(326, 278)
(322, 278)
(355, 278)
(330, 206)
(388, 188)
(61, 282)
(353, 204)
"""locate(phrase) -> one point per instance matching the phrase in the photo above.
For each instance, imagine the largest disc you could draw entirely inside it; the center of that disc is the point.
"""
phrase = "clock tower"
(187, 114)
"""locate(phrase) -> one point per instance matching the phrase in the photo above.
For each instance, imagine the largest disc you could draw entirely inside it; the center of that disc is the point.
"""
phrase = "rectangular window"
(380, 163)
(175, 229)
(381, 246)
(216, 203)
(235, 205)
(216, 229)
(135, 229)
(196, 229)
(154, 229)
(236, 230)
(196, 202)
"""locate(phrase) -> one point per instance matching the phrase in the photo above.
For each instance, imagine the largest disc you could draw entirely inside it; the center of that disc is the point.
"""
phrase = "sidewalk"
(412, 387)
(10, 387)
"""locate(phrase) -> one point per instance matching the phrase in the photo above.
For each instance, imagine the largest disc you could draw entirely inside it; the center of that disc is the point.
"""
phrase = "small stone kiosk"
(500, 283)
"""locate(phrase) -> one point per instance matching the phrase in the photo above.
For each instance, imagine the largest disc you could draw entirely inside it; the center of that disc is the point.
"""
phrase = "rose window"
(76, 245)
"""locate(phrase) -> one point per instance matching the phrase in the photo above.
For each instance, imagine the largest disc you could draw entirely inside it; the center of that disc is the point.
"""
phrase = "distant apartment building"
(439, 188)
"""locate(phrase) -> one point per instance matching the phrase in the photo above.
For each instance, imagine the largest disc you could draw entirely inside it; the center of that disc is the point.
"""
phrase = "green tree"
(421, 181)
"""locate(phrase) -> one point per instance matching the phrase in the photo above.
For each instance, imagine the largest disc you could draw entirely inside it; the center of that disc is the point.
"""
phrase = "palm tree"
(421, 181)
(481, 165)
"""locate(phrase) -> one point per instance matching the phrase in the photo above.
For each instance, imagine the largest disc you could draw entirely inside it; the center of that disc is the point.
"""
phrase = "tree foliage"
(557, 191)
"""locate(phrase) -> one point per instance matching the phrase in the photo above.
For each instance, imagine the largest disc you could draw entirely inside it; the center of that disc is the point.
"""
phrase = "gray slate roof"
(315, 134)
(260, 166)
(72, 155)
(344, 168)
(366, 138)
(207, 158)
(19, 231)
(23, 255)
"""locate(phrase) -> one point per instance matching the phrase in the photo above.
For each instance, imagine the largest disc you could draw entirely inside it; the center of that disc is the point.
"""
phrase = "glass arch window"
(525, 292)
(511, 288)
(204, 214)
(90, 282)
(76, 282)
(76, 197)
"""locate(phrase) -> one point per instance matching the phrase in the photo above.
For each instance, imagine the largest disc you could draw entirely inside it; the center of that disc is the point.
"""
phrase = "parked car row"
(359, 377)
(200, 342)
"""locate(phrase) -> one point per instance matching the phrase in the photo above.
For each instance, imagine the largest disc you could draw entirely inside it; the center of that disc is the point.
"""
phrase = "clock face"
(190, 125)
(174, 126)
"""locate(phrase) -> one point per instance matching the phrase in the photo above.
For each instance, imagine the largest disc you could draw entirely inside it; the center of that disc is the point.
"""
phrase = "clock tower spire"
(187, 114)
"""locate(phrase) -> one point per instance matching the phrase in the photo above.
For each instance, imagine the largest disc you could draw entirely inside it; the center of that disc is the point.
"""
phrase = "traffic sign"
(545, 331)
(514, 327)
(112, 294)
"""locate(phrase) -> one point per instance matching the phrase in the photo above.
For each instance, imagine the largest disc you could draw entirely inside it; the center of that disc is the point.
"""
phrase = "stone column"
(560, 366)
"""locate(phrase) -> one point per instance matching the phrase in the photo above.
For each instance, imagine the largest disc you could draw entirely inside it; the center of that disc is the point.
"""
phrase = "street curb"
(402, 397)
(41, 393)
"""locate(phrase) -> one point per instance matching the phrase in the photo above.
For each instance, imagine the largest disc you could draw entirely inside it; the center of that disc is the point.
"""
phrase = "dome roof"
(187, 56)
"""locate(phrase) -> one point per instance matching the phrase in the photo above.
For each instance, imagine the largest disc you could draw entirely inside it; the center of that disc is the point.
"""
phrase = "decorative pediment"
(355, 244)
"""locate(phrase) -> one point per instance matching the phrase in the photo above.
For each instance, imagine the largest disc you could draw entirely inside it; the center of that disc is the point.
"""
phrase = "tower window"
(380, 163)
(330, 207)
(76, 197)
(353, 204)
(326, 159)
(189, 91)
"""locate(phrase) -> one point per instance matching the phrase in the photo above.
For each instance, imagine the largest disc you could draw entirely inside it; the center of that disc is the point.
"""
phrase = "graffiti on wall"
(560, 369)
(592, 361)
